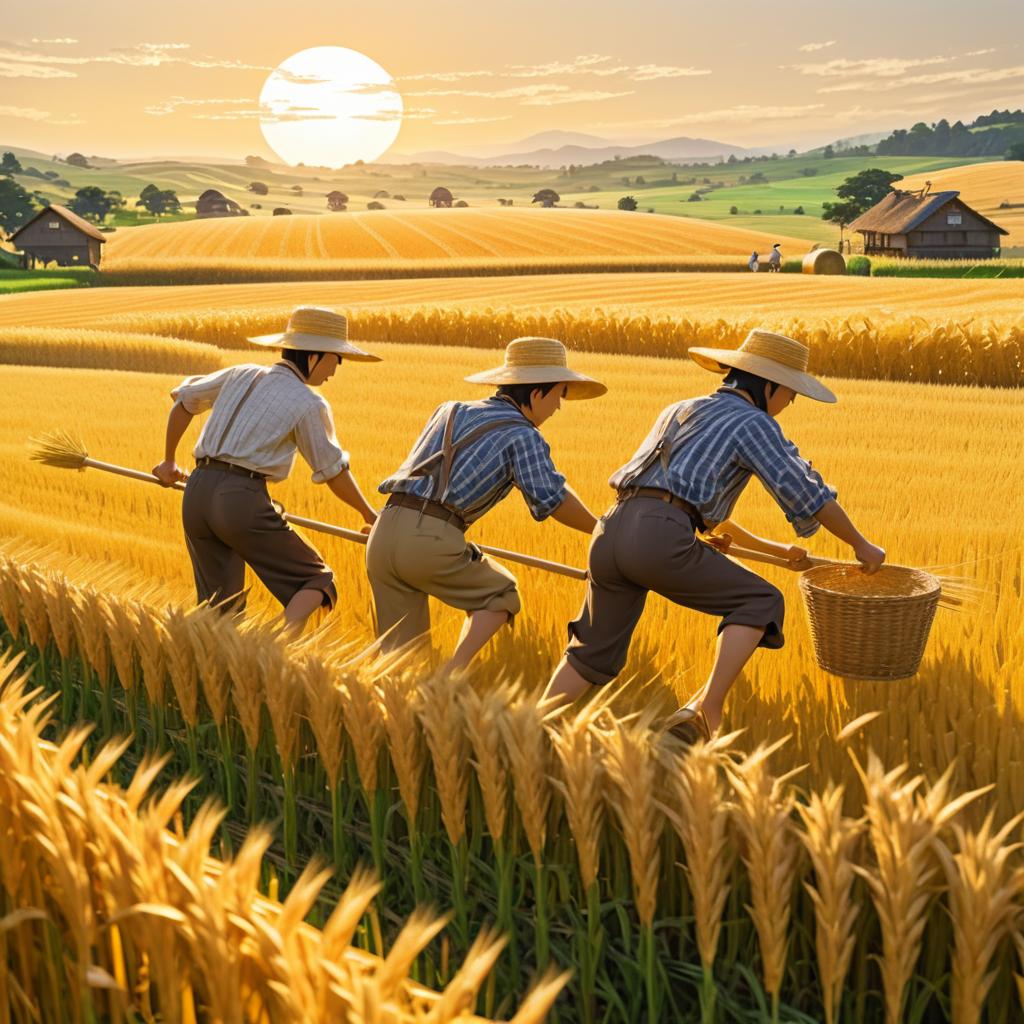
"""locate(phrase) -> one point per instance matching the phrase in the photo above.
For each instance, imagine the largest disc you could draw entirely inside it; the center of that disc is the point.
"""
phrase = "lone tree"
(337, 201)
(9, 164)
(77, 160)
(441, 197)
(259, 188)
(627, 203)
(158, 201)
(857, 194)
(93, 203)
(16, 206)
(547, 197)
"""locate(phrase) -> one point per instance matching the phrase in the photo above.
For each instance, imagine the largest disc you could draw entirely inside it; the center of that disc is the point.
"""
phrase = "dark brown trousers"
(646, 544)
(229, 521)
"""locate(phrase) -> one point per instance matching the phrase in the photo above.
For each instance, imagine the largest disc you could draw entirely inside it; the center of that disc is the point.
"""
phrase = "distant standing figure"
(775, 259)
(752, 263)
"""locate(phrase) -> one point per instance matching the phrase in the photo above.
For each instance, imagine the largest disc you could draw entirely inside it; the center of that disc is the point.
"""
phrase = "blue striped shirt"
(484, 472)
(723, 440)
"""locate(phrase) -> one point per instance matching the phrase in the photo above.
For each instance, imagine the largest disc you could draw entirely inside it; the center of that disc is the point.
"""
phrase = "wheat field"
(500, 813)
(726, 296)
(435, 235)
(863, 446)
(984, 187)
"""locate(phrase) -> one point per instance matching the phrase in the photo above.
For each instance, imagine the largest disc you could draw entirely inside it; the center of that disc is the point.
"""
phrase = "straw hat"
(539, 361)
(772, 356)
(313, 329)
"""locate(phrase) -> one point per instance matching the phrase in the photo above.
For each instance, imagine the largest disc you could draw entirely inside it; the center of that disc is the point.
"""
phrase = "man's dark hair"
(741, 380)
(300, 359)
(520, 393)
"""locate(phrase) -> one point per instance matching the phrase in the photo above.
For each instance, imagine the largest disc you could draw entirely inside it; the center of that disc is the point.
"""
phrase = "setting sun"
(329, 106)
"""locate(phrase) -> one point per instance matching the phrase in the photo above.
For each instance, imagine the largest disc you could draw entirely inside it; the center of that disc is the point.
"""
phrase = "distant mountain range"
(558, 148)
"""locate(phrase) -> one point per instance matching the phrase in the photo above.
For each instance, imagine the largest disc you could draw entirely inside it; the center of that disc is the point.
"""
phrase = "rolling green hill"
(783, 184)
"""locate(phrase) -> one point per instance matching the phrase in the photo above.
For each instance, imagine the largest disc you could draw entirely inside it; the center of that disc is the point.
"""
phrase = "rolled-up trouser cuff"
(773, 638)
(592, 676)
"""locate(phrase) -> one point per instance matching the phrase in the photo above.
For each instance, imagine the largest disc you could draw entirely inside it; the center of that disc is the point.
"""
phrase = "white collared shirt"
(282, 414)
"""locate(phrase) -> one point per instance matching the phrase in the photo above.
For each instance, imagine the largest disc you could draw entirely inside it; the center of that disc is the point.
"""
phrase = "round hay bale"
(824, 261)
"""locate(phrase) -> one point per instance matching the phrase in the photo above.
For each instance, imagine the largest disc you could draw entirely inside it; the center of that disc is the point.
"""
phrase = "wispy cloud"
(386, 116)
(588, 64)
(963, 77)
(34, 64)
(876, 67)
(741, 114)
(16, 69)
(65, 41)
(472, 120)
(979, 53)
(33, 114)
(26, 113)
(511, 93)
(651, 72)
(814, 47)
(574, 96)
(444, 76)
(175, 103)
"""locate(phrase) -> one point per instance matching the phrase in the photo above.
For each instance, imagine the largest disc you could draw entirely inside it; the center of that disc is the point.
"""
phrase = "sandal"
(692, 728)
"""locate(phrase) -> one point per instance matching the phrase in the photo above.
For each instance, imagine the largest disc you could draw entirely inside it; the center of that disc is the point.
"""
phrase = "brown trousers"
(646, 544)
(229, 521)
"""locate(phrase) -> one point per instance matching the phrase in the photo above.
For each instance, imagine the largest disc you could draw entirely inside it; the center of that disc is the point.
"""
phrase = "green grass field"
(43, 280)
(786, 187)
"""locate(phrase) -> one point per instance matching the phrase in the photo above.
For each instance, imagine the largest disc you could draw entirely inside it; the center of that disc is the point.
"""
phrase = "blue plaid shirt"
(723, 441)
(484, 472)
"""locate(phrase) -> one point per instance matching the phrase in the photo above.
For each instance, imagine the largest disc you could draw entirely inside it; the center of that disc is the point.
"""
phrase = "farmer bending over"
(685, 479)
(468, 458)
(260, 416)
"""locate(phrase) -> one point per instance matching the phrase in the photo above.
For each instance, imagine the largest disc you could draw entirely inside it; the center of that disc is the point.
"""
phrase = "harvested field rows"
(435, 235)
(729, 296)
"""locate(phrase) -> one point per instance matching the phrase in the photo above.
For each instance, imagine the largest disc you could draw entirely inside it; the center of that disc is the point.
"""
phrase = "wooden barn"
(215, 204)
(56, 235)
(928, 225)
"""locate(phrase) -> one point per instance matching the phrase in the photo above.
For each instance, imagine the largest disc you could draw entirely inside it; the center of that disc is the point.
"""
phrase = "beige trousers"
(410, 556)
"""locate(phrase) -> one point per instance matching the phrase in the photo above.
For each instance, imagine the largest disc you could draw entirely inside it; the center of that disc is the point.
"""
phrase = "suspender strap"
(447, 457)
(663, 450)
(439, 465)
(234, 412)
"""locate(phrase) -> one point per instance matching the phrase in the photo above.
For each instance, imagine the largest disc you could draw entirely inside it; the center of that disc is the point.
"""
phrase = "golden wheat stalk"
(984, 890)
(831, 841)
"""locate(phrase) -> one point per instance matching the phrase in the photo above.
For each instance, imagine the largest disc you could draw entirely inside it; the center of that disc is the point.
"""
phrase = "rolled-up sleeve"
(533, 472)
(197, 394)
(316, 440)
(790, 479)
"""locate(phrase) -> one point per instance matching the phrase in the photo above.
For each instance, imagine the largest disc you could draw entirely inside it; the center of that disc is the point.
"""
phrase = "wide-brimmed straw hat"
(314, 329)
(772, 356)
(539, 361)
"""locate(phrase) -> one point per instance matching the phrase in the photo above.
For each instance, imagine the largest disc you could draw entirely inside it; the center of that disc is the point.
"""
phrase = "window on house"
(954, 218)
(54, 225)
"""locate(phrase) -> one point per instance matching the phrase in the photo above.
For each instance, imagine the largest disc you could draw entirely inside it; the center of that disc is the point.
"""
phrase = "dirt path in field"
(730, 296)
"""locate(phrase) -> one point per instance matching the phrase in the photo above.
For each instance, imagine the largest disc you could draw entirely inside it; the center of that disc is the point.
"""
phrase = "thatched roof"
(72, 218)
(900, 212)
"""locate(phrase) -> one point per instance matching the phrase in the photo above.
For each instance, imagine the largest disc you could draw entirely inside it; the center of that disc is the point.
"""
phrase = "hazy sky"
(126, 79)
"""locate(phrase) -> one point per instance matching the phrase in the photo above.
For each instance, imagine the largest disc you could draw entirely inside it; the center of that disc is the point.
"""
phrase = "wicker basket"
(869, 627)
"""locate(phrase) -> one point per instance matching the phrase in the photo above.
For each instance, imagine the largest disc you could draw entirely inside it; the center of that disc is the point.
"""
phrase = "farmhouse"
(215, 204)
(927, 225)
(56, 235)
